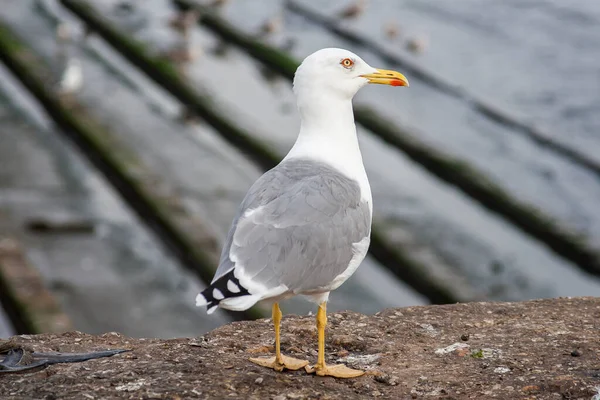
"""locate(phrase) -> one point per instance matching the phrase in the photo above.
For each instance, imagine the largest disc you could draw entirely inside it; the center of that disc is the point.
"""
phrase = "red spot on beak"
(397, 82)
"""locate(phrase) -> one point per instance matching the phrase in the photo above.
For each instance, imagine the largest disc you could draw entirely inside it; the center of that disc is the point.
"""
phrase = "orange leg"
(320, 368)
(279, 362)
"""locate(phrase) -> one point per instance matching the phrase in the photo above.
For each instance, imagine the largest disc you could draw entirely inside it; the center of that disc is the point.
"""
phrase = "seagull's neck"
(327, 115)
(328, 134)
(327, 130)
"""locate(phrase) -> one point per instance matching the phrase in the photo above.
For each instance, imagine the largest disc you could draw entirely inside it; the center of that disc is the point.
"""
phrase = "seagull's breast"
(342, 155)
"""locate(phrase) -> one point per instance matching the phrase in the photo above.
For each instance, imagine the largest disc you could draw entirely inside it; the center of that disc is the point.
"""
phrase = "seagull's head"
(341, 73)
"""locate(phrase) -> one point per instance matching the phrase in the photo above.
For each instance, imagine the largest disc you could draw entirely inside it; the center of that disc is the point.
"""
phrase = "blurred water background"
(534, 61)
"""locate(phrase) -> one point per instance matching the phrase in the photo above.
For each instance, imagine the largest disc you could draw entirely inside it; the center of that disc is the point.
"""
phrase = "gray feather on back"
(297, 226)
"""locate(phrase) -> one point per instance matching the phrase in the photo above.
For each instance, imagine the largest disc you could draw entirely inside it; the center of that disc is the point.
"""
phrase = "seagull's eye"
(347, 63)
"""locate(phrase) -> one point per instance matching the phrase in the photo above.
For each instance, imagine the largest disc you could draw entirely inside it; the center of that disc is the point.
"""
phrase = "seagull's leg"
(279, 362)
(276, 313)
(320, 368)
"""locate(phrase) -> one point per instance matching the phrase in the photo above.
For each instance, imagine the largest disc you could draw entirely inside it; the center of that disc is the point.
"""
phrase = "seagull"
(272, 25)
(353, 10)
(183, 51)
(184, 21)
(392, 30)
(69, 69)
(304, 227)
(71, 79)
(417, 44)
(62, 33)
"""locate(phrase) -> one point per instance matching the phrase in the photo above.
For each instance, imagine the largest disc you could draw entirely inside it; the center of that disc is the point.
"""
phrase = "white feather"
(201, 300)
(72, 77)
(217, 295)
(232, 287)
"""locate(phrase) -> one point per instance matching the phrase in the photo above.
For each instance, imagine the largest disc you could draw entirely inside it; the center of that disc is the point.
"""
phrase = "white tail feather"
(201, 300)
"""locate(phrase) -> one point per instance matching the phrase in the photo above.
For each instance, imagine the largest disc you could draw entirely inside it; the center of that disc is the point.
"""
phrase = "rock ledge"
(543, 349)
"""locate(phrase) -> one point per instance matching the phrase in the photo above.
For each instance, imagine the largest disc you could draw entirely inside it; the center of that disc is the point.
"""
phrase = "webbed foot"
(293, 364)
(337, 371)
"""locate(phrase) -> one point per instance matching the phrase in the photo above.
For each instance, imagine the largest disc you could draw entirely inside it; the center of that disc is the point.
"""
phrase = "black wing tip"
(222, 289)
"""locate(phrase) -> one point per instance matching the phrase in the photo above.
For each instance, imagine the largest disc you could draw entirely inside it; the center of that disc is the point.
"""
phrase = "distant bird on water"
(392, 30)
(69, 68)
(353, 10)
(184, 51)
(184, 21)
(304, 226)
(72, 77)
(272, 25)
(417, 44)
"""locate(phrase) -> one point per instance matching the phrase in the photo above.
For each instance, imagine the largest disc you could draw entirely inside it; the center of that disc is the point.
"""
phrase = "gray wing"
(297, 226)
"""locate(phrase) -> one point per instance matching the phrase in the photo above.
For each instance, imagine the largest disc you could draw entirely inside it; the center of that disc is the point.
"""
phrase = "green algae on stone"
(120, 166)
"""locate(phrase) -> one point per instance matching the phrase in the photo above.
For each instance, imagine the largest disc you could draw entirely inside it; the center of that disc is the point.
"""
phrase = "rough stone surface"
(543, 349)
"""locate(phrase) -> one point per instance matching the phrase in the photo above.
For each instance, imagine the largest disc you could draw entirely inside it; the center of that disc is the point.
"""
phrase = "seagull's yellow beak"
(387, 77)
